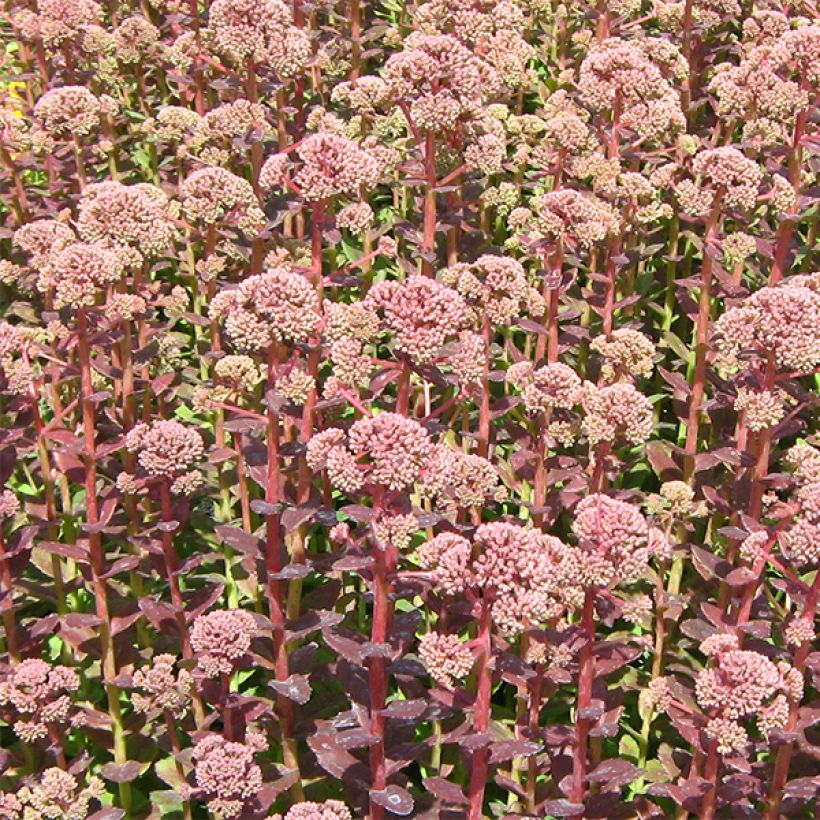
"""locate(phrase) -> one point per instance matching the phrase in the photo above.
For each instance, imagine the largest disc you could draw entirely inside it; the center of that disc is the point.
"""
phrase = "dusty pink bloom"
(730, 735)
(521, 571)
(220, 638)
(10, 807)
(763, 408)
(809, 498)
(751, 548)
(801, 543)
(465, 478)
(421, 312)
(214, 195)
(445, 657)
(799, 631)
(133, 216)
(329, 810)
(80, 271)
(60, 20)
(58, 794)
(621, 72)
(9, 504)
(549, 387)
(612, 541)
(739, 683)
(263, 32)
(392, 449)
(804, 460)
(448, 557)
(430, 62)
(166, 448)
(70, 109)
(136, 38)
(330, 165)
(618, 411)
(42, 239)
(774, 320)
(395, 530)
(658, 694)
(728, 172)
(517, 569)
(356, 217)
(495, 286)
(276, 306)
(226, 774)
(627, 352)
(39, 694)
(164, 686)
(580, 216)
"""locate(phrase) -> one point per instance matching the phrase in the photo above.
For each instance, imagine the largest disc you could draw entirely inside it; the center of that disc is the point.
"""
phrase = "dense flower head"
(453, 475)
(617, 411)
(581, 216)
(801, 542)
(731, 174)
(445, 657)
(519, 570)
(42, 239)
(57, 21)
(71, 109)
(627, 352)
(135, 38)
(553, 386)
(80, 271)
(40, 695)
(262, 32)
(164, 687)
(276, 306)
(165, 448)
(330, 165)
(214, 195)
(762, 408)
(742, 684)
(135, 216)
(433, 61)
(388, 450)
(59, 794)
(620, 72)
(495, 286)
(221, 638)
(421, 312)
(226, 774)
(776, 321)
(613, 540)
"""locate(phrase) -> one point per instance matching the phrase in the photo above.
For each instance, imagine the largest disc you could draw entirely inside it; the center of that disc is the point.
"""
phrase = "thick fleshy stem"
(785, 752)
(377, 673)
(273, 584)
(7, 588)
(481, 713)
(586, 674)
(701, 344)
(97, 552)
(786, 229)
(172, 565)
(428, 245)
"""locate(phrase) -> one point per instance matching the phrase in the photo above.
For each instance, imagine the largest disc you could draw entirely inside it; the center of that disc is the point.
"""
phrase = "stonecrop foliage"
(409, 409)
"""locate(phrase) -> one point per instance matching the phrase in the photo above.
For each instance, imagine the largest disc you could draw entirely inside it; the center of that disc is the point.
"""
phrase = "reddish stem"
(585, 677)
(481, 715)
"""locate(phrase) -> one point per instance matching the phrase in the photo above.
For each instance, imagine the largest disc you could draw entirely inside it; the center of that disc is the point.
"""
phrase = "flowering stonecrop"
(409, 409)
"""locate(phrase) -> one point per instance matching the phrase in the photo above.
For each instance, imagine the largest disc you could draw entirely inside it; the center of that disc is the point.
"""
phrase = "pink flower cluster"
(40, 694)
(226, 774)
(221, 639)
